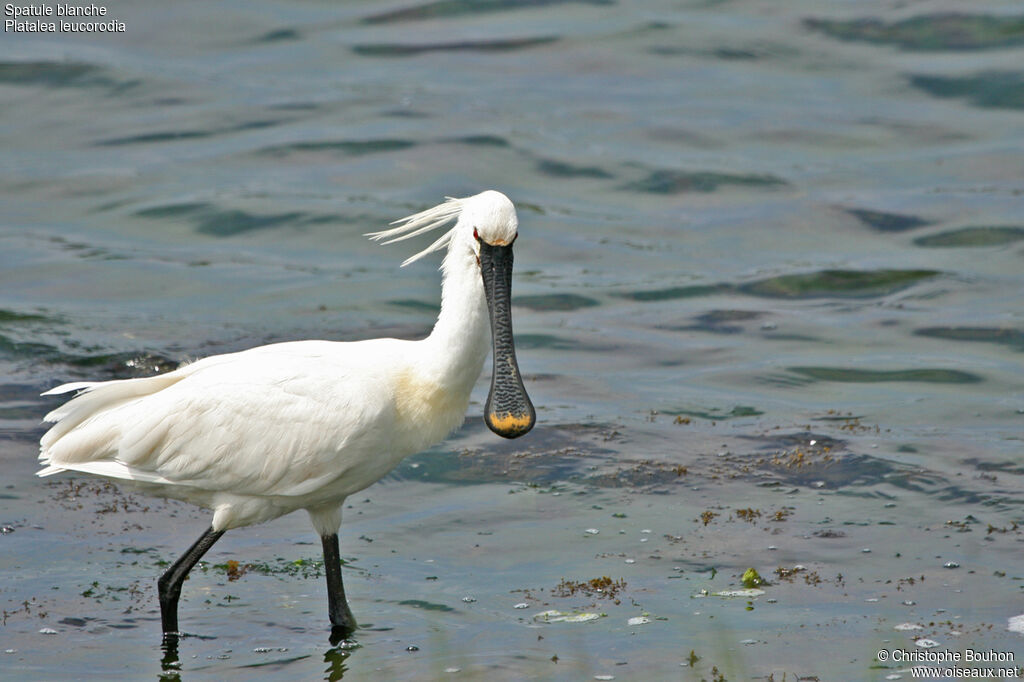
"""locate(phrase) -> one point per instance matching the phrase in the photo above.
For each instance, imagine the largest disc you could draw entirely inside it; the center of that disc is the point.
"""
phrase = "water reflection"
(170, 663)
(336, 658)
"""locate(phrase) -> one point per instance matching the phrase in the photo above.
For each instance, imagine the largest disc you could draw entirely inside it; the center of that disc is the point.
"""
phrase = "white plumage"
(300, 425)
(252, 435)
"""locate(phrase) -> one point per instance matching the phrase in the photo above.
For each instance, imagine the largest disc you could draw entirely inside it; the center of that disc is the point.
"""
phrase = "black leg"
(343, 623)
(170, 582)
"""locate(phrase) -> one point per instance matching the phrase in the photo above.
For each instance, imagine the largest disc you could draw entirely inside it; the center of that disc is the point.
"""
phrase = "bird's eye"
(476, 235)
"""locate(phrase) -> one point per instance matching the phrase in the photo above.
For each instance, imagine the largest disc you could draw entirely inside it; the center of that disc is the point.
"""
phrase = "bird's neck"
(461, 337)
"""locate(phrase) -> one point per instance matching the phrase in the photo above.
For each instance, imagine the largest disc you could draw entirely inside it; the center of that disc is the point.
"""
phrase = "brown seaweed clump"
(603, 587)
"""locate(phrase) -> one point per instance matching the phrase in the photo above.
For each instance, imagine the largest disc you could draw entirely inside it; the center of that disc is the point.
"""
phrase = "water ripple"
(53, 74)
(988, 89)
(973, 236)
(1013, 338)
(929, 32)
(886, 222)
(665, 181)
(406, 50)
(444, 9)
(929, 375)
(820, 284)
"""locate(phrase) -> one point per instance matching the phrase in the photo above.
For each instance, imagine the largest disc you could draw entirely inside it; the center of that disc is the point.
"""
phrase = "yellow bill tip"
(510, 425)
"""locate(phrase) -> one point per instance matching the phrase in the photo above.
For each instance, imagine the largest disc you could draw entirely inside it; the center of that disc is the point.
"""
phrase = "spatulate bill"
(508, 411)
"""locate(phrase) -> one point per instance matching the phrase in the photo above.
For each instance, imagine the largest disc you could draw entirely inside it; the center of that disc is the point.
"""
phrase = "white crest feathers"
(418, 223)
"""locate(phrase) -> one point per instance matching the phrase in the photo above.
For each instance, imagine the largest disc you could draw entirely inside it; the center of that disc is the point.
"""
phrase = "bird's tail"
(79, 434)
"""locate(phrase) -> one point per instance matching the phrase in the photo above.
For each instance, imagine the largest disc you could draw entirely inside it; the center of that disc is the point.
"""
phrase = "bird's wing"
(278, 420)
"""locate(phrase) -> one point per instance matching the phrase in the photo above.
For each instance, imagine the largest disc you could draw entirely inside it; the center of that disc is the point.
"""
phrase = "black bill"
(508, 412)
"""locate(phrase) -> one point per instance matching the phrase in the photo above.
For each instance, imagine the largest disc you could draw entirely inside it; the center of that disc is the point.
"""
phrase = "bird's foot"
(342, 632)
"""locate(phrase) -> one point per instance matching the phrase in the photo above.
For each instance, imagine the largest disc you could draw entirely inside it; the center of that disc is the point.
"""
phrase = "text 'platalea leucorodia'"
(302, 425)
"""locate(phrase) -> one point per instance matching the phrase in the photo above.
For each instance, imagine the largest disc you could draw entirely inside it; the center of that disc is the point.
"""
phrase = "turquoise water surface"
(767, 303)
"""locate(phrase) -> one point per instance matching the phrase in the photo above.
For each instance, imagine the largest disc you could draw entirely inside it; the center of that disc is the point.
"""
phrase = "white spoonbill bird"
(260, 433)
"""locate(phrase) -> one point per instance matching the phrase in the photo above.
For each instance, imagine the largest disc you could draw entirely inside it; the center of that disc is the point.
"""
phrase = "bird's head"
(491, 218)
(488, 223)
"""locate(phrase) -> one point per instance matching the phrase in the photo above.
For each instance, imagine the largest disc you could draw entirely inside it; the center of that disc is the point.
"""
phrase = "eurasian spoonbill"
(260, 433)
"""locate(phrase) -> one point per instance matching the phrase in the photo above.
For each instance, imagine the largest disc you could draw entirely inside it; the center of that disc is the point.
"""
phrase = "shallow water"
(767, 302)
